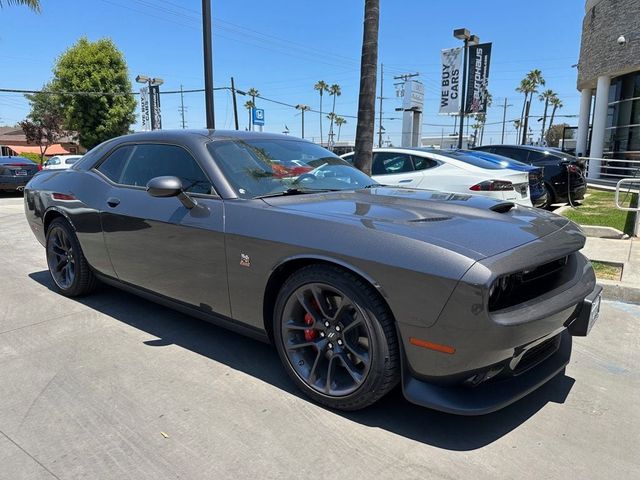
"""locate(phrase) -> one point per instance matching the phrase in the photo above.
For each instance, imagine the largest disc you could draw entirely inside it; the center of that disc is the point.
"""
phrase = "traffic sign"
(258, 116)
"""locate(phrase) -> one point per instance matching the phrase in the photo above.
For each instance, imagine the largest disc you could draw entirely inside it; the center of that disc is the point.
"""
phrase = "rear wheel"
(551, 197)
(68, 267)
(336, 338)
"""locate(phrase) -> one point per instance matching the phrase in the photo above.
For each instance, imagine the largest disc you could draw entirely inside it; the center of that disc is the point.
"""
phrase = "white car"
(455, 171)
(60, 162)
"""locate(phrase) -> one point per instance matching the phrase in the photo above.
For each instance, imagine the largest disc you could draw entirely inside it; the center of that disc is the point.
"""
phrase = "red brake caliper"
(309, 333)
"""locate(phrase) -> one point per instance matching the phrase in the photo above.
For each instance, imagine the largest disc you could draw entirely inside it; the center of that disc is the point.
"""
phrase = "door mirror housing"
(169, 186)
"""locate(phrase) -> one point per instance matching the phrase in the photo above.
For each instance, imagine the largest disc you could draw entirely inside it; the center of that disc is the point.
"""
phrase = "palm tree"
(253, 93)
(516, 125)
(339, 122)
(368, 76)
(249, 105)
(556, 103)
(531, 82)
(321, 86)
(334, 91)
(484, 115)
(303, 108)
(32, 4)
(545, 97)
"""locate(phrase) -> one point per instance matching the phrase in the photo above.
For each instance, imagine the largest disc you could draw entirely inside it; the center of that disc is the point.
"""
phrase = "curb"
(598, 231)
(619, 291)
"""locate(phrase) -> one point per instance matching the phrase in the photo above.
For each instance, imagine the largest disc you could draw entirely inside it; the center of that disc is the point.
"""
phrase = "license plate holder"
(21, 173)
(589, 314)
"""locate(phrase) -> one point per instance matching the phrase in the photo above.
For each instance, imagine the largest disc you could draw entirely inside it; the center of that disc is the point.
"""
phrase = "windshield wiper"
(297, 191)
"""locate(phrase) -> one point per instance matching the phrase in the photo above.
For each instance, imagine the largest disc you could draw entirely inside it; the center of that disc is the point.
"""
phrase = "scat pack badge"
(245, 260)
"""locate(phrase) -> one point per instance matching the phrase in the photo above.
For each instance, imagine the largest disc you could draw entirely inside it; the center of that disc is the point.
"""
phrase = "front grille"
(538, 354)
(519, 287)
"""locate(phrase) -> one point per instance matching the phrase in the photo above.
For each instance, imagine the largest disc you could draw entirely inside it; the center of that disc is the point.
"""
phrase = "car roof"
(206, 134)
(535, 148)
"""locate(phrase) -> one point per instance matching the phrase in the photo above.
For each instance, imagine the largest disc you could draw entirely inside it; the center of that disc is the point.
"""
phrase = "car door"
(158, 243)
(391, 168)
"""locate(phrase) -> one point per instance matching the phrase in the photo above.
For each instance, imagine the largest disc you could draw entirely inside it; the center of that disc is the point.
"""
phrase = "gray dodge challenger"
(469, 303)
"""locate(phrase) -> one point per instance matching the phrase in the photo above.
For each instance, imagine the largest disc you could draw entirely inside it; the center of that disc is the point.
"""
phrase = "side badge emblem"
(245, 260)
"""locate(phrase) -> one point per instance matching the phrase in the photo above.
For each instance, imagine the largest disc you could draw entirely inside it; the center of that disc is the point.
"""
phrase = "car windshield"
(270, 167)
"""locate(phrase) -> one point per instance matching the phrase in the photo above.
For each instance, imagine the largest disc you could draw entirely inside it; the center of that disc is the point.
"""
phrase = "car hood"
(473, 225)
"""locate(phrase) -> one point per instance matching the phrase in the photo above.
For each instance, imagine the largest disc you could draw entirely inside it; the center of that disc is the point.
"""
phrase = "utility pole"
(235, 104)
(380, 109)
(504, 117)
(208, 63)
(182, 108)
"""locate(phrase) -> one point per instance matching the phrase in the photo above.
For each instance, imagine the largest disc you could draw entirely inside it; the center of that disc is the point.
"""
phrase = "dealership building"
(609, 85)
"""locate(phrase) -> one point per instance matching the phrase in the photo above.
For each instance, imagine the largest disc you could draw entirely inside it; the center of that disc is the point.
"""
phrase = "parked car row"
(465, 301)
(15, 172)
(457, 171)
(563, 173)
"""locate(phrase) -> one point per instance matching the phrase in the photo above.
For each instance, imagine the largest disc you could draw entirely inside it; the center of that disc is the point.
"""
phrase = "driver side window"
(135, 165)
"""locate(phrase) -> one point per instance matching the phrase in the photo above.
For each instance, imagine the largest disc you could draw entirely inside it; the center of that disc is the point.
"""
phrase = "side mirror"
(169, 186)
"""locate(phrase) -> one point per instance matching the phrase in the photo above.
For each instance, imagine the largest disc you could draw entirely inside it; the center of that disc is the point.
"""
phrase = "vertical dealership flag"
(144, 108)
(478, 78)
(156, 115)
(450, 83)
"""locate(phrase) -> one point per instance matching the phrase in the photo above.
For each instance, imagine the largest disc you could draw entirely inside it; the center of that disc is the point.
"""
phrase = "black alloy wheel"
(67, 265)
(336, 338)
(326, 339)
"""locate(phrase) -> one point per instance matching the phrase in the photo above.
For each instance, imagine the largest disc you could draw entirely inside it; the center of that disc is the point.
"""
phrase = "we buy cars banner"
(478, 78)
(450, 82)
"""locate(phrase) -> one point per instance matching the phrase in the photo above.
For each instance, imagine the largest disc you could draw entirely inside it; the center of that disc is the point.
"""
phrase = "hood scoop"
(429, 219)
(502, 207)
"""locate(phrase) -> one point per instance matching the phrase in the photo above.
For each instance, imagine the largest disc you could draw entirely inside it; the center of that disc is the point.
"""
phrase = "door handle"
(113, 202)
(406, 180)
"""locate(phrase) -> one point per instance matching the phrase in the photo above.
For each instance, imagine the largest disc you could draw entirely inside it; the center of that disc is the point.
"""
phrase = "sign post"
(257, 115)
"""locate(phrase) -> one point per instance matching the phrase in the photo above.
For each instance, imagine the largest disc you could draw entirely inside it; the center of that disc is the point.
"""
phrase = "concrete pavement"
(114, 387)
(622, 251)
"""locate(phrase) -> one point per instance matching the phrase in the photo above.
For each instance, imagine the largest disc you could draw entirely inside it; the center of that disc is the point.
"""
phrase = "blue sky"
(282, 47)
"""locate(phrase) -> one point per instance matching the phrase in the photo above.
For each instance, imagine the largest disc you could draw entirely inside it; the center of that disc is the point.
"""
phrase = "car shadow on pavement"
(393, 413)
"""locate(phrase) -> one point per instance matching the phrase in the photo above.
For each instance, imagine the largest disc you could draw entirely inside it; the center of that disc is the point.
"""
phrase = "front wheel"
(336, 338)
(68, 267)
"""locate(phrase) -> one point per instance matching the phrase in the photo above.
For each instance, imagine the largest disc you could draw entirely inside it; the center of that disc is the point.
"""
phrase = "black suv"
(563, 175)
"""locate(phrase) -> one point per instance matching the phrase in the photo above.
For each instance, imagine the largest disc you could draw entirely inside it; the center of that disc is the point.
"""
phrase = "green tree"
(93, 84)
(253, 93)
(528, 86)
(334, 91)
(368, 76)
(556, 103)
(339, 122)
(545, 97)
(45, 123)
(555, 132)
(321, 86)
(249, 105)
(32, 4)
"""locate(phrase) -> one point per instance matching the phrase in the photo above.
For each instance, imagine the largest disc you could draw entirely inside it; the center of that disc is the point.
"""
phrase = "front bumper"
(491, 395)
(517, 347)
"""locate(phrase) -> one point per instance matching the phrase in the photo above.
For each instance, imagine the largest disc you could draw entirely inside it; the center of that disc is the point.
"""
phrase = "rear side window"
(422, 163)
(519, 154)
(135, 165)
(388, 163)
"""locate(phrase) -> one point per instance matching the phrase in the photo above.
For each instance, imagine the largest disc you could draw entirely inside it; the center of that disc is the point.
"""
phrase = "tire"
(551, 197)
(68, 266)
(345, 354)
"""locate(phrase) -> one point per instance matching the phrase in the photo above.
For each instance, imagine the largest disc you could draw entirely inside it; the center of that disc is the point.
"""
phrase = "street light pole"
(235, 104)
(208, 63)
